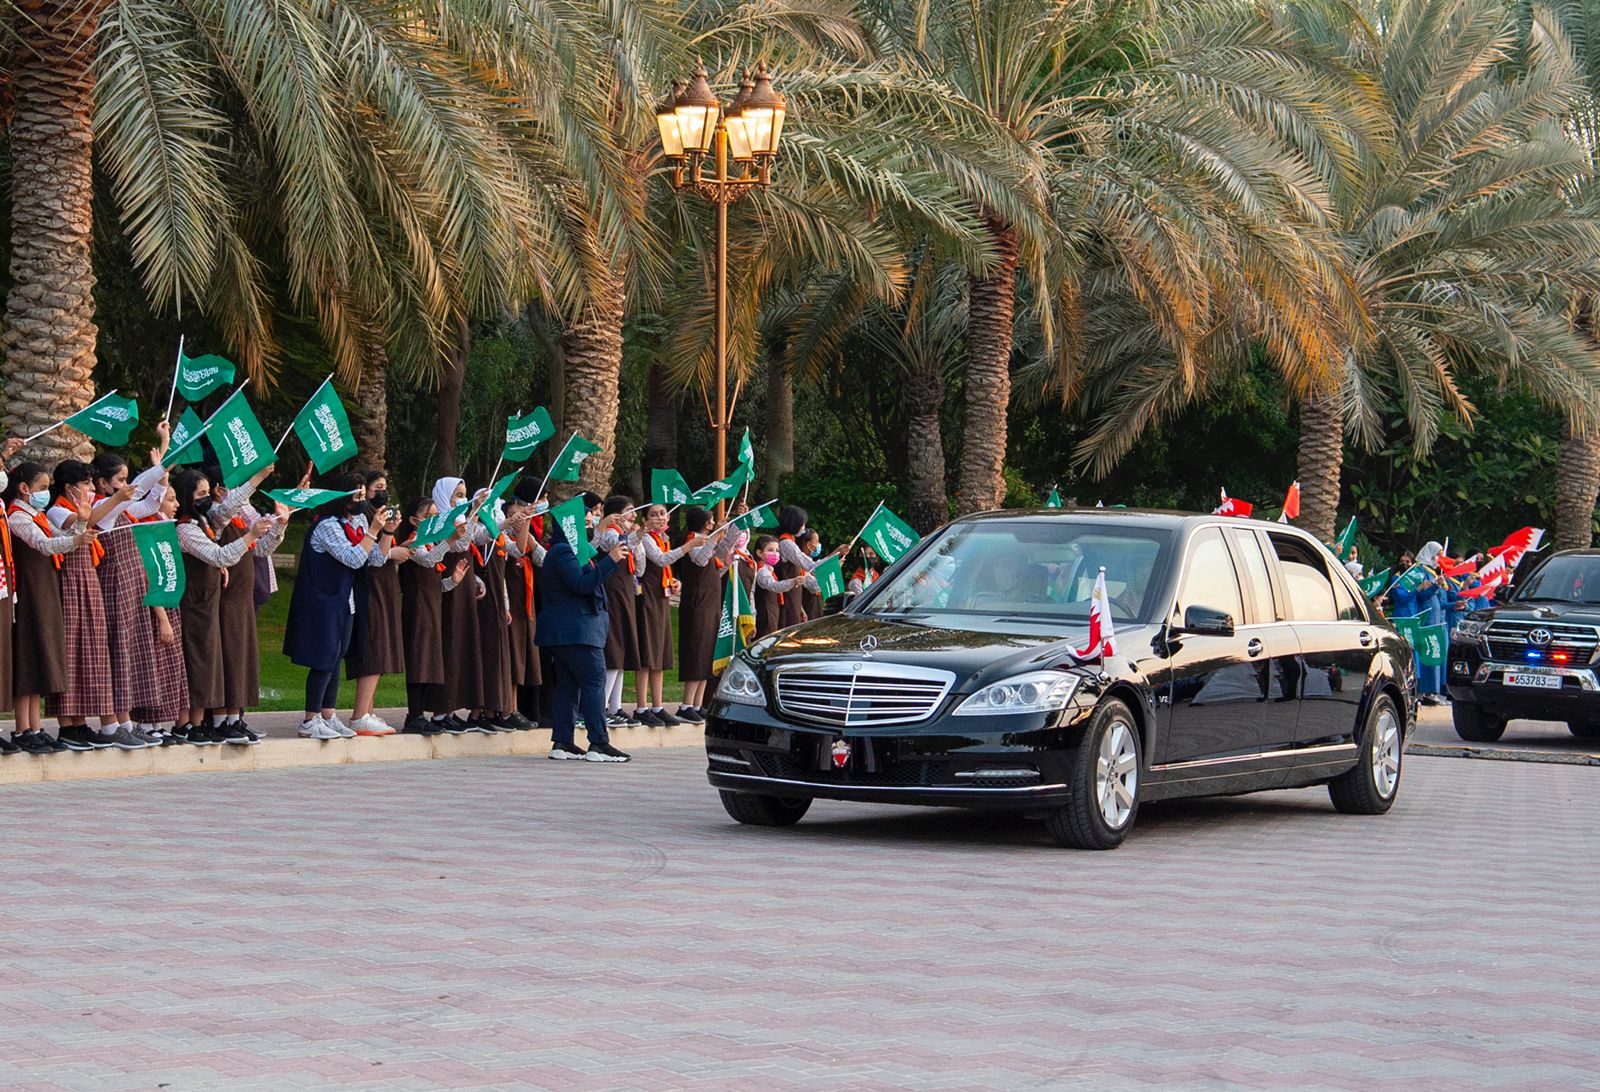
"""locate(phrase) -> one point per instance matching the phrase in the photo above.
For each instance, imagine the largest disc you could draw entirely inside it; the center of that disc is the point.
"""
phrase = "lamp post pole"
(723, 199)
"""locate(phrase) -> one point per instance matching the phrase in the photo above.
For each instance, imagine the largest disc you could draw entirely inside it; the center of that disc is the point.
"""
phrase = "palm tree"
(1142, 127)
(1452, 237)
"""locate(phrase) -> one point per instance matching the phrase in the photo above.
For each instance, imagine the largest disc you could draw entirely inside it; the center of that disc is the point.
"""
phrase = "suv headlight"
(1035, 692)
(741, 685)
(1470, 629)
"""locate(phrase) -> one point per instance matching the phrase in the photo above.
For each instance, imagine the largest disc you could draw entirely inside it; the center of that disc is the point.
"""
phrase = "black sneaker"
(204, 736)
(647, 717)
(31, 743)
(516, 722)
(75, 739)
(52, 745)
(417, 726)
(566, 751)
(97, 741)
(488, 725)
(667, 719)
(604, 752)
(8, 748)
(231, 733)
(689, 714)
(455, 725)
(617, 720)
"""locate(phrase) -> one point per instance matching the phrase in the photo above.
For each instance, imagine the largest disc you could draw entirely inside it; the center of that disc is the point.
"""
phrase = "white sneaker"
(372, 725)
(317, 728)
(340, 728)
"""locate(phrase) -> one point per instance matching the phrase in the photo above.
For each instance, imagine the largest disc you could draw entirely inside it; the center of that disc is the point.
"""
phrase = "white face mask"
(40, 500)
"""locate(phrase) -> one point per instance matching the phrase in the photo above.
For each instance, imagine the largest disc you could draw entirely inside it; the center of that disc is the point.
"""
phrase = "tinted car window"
(1349, 609)
(1209, 579)
(1574, 578)
(1256, 574)
(1308, 584)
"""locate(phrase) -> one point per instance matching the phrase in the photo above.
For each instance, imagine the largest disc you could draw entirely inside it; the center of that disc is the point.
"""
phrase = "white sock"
(232, 718)
(111, 731)
(614, 691)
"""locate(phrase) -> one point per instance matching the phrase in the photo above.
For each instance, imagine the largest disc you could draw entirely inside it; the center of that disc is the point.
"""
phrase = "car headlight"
(741, 685)
(1471, 629)
(1035, 692)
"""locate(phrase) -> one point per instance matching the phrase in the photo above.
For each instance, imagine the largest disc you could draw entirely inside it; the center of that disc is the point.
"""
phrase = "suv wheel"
(1584, 729)
(765, 811)
(1371, 786)
(1104, 780)
(1474, 725)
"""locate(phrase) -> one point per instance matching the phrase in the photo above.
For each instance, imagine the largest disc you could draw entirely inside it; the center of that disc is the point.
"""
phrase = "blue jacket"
(572, 606)
(320, 622)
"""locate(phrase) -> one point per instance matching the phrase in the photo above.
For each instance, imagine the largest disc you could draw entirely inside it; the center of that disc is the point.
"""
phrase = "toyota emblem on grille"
(1540, 637)
(869, 645)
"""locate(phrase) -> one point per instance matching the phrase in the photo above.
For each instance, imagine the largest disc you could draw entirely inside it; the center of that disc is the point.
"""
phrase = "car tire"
(1584, 729)
(1474, 725)
(1105, 772)
(765, 811)
(1370, 787)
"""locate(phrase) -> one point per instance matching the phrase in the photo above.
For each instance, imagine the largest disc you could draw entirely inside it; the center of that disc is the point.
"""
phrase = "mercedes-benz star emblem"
(869, 645)
(1540, 637)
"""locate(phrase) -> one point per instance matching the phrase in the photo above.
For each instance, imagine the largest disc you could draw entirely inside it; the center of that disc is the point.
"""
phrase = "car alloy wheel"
(1385, 754)
(1116, 777)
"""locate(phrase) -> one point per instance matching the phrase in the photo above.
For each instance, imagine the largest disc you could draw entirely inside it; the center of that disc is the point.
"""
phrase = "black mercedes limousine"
(1245, 659)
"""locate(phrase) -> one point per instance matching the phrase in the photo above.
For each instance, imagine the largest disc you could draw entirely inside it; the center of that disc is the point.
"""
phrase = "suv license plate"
(1541, 682)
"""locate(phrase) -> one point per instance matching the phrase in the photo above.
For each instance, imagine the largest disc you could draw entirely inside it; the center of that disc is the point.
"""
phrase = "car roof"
(1166, 518)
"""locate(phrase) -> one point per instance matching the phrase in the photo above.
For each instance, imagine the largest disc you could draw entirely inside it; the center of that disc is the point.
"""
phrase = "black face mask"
(202, 505)
(378, 499)
(355, 508)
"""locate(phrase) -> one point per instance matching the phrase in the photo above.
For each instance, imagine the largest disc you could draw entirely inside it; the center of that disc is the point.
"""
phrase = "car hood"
(1576, 613)
(977, 650)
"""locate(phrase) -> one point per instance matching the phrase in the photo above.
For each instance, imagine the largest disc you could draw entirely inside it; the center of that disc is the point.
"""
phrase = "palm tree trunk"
(592, 357)
(778, 457)
(925, 445)
(1321, 461)
(452, 377)
(49, 338)
(661, 431)
(992, 301)
(372, 422)
(1577, 484)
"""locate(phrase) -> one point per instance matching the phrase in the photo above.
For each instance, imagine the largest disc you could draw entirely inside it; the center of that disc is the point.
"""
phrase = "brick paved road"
(514, 922)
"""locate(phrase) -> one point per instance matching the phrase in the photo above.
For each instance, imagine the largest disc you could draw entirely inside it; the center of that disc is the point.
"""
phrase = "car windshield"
(1034, 568)
(1564, 580)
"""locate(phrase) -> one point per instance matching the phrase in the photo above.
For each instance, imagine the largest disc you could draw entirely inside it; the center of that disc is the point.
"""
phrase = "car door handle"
(1364, 637)
(1255, 647)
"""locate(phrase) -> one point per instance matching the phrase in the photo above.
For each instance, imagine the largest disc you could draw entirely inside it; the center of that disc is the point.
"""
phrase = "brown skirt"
(83, 615)
(202, 633)
(655, 623)
(793, 611)
(236, 618)
(494, 636)
(39, 640)
(699, 611)
(421, 620)
(463, 646)
(162, 693)
(525, 670)
(769, 611)
(622, 627)
(381, 647)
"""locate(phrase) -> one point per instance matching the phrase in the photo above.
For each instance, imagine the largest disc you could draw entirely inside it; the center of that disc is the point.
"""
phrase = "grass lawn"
(283, 685)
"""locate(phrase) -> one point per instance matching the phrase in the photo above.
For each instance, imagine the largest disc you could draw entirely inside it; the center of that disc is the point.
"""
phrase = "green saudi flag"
(1374, 584)
(724, 490)
(1346, 541)
(180, 452)
(1430, 642)
(242, 446)
(163, 562)
(486, 509)
(747, 453)
(198, 376)
(109, 420)
(668, 487)
(523, 434)
(305, 498)
(730, 634)
(324, 429)
(573, 453)
(889, 535)
(1054, 499)
(438, 527)
(569, 516)
(829, 575)
(759, 518)
(1412, 578)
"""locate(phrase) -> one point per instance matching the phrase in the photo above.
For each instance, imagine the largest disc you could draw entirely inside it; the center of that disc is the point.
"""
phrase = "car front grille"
(902, 773)
(859, 694)
(1510, 640)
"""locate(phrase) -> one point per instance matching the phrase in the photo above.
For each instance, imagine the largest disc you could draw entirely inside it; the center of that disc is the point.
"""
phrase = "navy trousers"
(580, 685)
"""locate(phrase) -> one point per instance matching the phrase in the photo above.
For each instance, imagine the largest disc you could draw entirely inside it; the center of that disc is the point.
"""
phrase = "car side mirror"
(836, 603)
(1207, 622)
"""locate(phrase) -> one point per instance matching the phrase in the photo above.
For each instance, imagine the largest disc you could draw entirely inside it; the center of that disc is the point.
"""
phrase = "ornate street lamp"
(694, 126)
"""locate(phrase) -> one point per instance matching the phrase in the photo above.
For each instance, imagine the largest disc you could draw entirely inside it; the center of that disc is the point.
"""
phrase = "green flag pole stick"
(63, 421)
(199, 432)
(303, 405)
(864, 526)
(177, 366)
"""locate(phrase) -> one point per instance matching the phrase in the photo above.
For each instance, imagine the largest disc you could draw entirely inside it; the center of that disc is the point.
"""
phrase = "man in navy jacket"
(572, 627)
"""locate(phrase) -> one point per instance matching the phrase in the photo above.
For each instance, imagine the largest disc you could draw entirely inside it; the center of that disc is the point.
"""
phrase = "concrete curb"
(1502, 754)
(282, 754)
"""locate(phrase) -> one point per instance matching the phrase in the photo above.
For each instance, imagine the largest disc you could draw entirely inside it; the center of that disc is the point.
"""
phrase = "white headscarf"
(1429, 554)
(444, 492)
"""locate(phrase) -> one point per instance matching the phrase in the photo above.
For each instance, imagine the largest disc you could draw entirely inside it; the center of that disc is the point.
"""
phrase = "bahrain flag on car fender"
(1231, 506)
(1102, 633)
